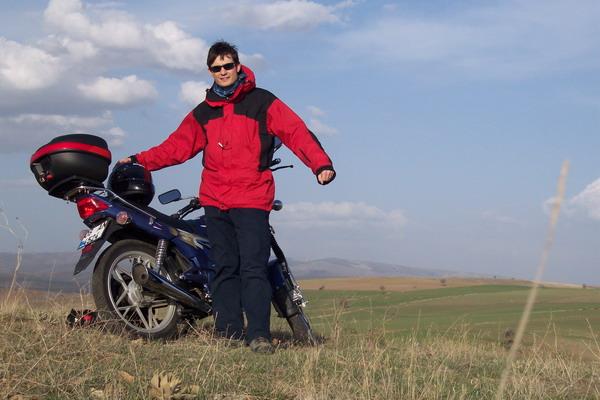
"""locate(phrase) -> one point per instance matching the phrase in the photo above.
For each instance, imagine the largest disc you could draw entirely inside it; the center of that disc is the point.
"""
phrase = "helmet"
(132, 182)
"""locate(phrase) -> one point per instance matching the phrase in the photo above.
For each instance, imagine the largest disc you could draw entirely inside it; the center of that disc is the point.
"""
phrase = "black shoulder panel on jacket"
(204, 113)
(255, 106)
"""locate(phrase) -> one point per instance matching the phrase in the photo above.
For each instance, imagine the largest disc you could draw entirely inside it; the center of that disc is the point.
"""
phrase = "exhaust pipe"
(154, 282)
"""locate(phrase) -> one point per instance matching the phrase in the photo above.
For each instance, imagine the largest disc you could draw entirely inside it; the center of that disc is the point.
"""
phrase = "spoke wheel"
(122, 302)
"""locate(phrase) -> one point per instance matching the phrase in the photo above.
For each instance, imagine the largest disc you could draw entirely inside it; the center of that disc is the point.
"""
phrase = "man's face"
(224, 77)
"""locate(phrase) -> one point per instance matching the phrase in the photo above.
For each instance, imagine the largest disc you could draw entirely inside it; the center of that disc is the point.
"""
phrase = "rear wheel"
(125, 305)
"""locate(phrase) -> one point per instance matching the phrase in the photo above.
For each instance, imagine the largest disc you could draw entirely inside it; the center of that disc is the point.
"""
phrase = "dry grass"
(43, 358)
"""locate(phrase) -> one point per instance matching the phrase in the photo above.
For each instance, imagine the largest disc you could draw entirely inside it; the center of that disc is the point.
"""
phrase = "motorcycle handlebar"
(192, 206)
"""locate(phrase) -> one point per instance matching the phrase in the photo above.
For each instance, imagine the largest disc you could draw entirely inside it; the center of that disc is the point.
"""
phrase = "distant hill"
(44, 271)
(338, 267)
(54, 271)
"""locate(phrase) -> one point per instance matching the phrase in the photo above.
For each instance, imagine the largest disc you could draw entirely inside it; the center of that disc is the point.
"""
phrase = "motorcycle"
(155, 273)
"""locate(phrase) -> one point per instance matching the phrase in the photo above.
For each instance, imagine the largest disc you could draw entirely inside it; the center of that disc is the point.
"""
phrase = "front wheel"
(301, 328)
(122, 303)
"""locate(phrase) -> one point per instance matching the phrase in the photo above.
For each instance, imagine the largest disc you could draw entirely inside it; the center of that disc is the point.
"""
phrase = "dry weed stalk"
(4, 223)
(537, 280)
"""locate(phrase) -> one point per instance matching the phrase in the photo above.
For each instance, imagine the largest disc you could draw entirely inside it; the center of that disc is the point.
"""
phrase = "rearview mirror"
(170, 196)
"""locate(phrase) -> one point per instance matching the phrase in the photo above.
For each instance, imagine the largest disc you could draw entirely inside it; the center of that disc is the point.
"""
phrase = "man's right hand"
(125, 160)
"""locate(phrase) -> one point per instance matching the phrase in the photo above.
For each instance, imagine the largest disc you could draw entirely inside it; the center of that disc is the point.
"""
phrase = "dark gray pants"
(241, 245)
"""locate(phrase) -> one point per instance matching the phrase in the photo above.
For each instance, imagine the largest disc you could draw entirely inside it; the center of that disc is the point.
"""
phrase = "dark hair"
(222, 49)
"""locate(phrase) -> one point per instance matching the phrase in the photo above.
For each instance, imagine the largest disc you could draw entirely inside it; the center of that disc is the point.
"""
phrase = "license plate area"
(93, 235)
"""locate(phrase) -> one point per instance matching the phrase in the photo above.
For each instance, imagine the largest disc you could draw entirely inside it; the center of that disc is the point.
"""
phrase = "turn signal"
(88, 206)
(123, 218)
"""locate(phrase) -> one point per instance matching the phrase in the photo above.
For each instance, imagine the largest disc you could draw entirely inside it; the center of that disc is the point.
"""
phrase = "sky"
(447, 122)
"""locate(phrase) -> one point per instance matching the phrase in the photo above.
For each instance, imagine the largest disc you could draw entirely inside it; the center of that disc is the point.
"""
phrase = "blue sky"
(447, 121)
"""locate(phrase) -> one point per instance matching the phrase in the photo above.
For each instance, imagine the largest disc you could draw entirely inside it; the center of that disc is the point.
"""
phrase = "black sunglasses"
(217, 68)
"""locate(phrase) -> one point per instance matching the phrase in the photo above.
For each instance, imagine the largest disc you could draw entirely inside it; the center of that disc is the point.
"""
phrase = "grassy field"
(488, 309)
(436, 343)
(406, 284)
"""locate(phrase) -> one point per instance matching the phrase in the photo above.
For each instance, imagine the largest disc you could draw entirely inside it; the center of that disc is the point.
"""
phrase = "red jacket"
(236, 135)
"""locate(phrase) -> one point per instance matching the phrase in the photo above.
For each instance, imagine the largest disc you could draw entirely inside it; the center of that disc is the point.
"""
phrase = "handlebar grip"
(193, 205)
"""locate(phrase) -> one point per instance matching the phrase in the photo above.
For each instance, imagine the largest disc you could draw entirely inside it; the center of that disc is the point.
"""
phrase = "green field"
(487, 310)
(445, 343)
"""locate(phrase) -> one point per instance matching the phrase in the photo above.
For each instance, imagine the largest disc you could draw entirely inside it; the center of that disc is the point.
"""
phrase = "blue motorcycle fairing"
(195, 226)
(275, 274)
(154, 225)
(188, 236)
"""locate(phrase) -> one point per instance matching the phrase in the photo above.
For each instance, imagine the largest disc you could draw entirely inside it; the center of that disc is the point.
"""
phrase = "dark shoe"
(262, 345)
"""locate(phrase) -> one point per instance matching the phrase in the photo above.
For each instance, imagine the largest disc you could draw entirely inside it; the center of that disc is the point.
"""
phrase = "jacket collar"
(214, 100)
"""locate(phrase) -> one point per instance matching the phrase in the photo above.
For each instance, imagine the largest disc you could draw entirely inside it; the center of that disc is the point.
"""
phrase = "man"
(235, 127)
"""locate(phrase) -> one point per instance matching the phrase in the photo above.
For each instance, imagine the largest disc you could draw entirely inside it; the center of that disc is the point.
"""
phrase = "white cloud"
(67, 15)
(316, 111)
(339, 215)
(284, 14)
(588, 200)
(174, 48)
(193, 92)
(317, 125)
(115, 29)
(25, 67)
(165, 44)
(320, 128)
(255, 61)
(27, 132)
(509, 40)
(79, 50)
(62, 121)
(115, 136)
(125, 91)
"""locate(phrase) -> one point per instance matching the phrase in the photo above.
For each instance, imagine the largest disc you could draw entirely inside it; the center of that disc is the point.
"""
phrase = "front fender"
(88, 253)
(281, 297)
